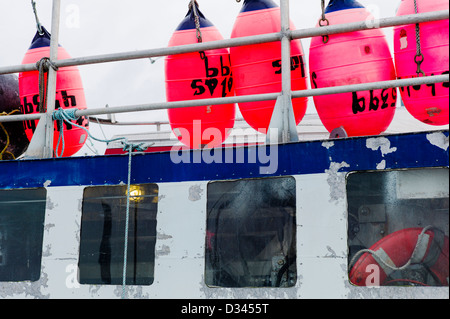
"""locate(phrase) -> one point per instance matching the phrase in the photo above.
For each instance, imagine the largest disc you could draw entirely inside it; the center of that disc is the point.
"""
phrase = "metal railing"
(285, 36)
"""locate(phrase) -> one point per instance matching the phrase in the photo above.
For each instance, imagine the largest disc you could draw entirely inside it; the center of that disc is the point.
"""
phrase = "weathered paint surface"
(181, 219)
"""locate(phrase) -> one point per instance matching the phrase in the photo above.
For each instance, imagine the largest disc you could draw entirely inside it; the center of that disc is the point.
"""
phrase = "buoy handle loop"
(419, 58)
(325, 38)
(324, 25)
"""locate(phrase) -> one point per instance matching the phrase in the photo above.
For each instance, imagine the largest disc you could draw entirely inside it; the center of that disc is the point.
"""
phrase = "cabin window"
(22, 214)
(398, 227)
(251, 233)
(102, 241)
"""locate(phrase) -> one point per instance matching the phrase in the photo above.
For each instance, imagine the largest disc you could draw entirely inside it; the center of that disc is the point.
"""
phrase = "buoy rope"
(43, 66)
(325, 38)
(385, 264)
(193, 5)
(419, 58)
(4, 151)
(69, 116)
(38, 23)
(127, 218)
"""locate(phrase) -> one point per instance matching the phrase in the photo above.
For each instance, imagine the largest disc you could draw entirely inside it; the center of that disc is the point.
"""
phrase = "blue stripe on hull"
(291, 159)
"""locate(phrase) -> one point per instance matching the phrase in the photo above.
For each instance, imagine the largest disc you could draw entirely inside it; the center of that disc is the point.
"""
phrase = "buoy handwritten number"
(213, 77)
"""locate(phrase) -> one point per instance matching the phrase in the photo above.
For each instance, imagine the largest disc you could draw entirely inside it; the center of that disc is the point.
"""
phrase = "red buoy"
(257, 68)
(352, 58)
(69, 95)
(195, 76)
(427, 103)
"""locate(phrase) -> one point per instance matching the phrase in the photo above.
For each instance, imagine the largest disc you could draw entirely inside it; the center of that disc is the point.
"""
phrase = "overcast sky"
(92, 27)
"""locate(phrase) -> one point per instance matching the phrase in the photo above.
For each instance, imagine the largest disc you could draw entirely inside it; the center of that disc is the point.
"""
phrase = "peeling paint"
(46, 252)
(25, 289)
(336, 181)
(161, 236)
(49, 204)
(332, 253)
(163, 251)
(47, 183)
(195, 193)
(131, 292)
(48, 226)
(382, 144)
(438, 139)
(381, 165)
(248, 293)
(328, 145)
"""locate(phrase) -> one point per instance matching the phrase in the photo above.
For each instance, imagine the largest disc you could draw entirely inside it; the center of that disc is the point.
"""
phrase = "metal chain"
(193, 5)
(419, 58)
(325, 38)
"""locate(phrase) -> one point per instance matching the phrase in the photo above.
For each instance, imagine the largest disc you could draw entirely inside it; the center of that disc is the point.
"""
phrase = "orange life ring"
(400, 250)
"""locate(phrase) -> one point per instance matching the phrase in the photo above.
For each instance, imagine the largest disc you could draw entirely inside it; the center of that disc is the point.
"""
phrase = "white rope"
(385, 264)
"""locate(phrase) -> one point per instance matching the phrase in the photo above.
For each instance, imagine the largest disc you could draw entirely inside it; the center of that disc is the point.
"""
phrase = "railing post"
(288, 130)
(51, 81)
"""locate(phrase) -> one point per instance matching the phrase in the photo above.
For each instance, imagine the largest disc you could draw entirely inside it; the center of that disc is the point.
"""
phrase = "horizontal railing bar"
(372, 86)
(370, 24)
(226, 43)
(154, 123)
(243, 99)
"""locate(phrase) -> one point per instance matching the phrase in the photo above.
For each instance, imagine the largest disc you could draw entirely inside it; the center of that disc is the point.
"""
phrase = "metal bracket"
(37, 147)
(278, 132)
(338, 133)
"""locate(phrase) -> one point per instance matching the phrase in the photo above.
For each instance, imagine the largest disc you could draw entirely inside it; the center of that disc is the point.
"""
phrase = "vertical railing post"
(289, 132)
(282, 128)
(51, 80)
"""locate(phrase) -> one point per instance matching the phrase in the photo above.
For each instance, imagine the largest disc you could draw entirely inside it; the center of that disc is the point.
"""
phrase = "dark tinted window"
(103, 235)
(398, 227)
(22, 215)
(251, 233)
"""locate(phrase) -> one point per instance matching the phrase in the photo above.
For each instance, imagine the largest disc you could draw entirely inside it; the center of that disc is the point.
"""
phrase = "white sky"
(93, 27)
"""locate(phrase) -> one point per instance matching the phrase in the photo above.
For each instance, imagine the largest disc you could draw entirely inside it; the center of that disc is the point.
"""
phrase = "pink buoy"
(195, 76)
(257, 68)
(352, 58)
(427, 103)
(69, 95)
